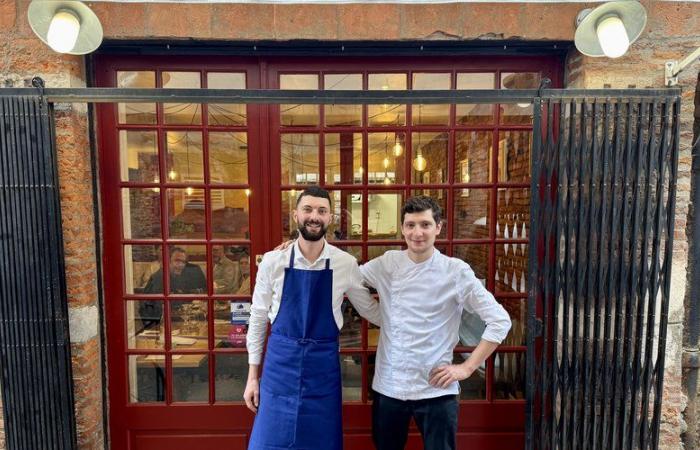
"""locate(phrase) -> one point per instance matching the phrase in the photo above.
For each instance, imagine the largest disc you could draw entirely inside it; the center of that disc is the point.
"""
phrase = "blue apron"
(300, 390)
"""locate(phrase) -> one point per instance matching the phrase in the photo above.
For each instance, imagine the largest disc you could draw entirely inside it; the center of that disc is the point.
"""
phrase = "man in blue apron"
(300, 291)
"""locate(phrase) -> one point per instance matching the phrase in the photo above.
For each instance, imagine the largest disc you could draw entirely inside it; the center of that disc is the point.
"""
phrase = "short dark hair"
(421, 203)
(314, 191)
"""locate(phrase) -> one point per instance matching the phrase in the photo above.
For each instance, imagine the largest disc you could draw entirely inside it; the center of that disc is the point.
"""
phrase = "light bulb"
(612, 36)
(155, 189)
(387, 180)
(420, 163)
(189, 191)
(63, 31)
(386, 162)
(247, 192)
(398, 150)
(523, 105)
(172, 174)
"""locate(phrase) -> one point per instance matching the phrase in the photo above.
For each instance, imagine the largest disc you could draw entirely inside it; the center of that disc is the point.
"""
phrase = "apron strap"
(328, 263)
(291, 258)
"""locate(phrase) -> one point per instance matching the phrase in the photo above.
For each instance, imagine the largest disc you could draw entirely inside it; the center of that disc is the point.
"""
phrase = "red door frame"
(482, 422)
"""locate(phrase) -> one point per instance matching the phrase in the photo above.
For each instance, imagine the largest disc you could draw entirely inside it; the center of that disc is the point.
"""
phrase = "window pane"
(343, 158)
(226, 114)
(351, 373)
(231, 374)
(478, 113)
(474, 387)
(514, 156)
(509, 376)
(440, 196)
(190, 378)
(182, 113)
(472, 213)
(384, 215)
(186, 218)
(300, 158)
(429, 157)
(231, 319)
(518, 113)
(143, 324)
(299, 115)
(386, 158)
(477, 256)
(138, 156)
(473, 156)
(385, 115)
(187, 266)
(431, 114)
(140, 113)
(347, 223)
(343, 115)
(141, 263)
(378, 250)
(351, 333)
(228, 157)
(517, 310)
(141, 213)
(188, 324)
(289, 226)
(354, 250)
(231, 270)
(229, 210)
(511, 268)
(146, 378)
(513, 214)
(184, 163)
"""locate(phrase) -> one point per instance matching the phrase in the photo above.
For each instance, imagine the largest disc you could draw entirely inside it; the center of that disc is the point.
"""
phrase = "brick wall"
(673, 32)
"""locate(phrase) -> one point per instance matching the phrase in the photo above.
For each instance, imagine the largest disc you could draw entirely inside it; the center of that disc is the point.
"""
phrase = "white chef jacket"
(267, 295)
(421, 307)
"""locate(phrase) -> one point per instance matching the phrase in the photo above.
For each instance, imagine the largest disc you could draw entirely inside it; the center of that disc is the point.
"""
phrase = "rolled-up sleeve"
(360, 297)
(262, 301)
(478, 300)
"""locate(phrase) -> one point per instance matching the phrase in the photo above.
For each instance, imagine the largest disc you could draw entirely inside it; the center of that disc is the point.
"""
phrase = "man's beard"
(310, 235)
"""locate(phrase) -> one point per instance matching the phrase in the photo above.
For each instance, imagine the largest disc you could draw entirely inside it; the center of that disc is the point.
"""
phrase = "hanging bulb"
(398, 149)
(247, 192)
(189, 190)
(386, 162)
(172, 174)
(420, 163)
(387, 180)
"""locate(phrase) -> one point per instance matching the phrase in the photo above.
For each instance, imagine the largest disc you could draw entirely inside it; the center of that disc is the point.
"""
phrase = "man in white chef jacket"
(422, 294)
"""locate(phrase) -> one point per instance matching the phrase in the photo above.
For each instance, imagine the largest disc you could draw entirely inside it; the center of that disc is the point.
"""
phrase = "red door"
(197, 191)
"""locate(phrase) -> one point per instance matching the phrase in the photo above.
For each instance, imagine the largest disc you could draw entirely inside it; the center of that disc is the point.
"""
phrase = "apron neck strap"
(291, 260)
(328, 263)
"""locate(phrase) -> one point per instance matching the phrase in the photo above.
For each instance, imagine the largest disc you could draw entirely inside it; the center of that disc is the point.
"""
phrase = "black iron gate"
(37, 388)
(603, 197)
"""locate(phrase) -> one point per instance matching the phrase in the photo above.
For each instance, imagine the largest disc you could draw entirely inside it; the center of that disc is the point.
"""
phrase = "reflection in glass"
(511, 268)
(228, 157)
(518, 113)
(431, 114)
(183, 160)
(140, 113)
(440, 196)
(384, 215)
(351, 373)
(351, 333)
(347, 220)
(383, 115)
(188, 324)
(299, 115)
(513, 213)
(378, 250)
(231, 318)
(186, 218)
(187, 266)
(140, 263)
(343, 158)
(514, 156)
(509, 376)
(477, 256)
(472, 209)
(231, 269)
(229, 210)
(473, 156)
(478, 113)
(182, 113)
(226, 114)
(299, 158)
(143, 320)
(231, 372)
(386, 158)
(141, 213)
(138, 156)
(289, 202)
(146, 378)
(429, 163)
(474, 387)
(517, 310)
(343, 115)
(190, 378)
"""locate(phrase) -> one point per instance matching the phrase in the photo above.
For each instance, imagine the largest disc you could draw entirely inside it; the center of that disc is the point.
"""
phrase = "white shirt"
(421, 307)
(267, 295)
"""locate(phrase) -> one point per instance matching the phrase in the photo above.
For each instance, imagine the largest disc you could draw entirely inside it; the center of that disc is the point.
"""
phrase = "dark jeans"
(436, 419)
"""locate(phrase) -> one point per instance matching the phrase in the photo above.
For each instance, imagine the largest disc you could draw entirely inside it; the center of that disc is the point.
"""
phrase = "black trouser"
(436, 419)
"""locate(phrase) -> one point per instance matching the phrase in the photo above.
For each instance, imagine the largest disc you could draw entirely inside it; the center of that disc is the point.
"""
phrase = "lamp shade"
(606, 22)
(41, 14)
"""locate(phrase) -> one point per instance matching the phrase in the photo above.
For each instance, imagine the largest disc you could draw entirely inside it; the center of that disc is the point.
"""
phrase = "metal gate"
(37, 387)
(602, 215)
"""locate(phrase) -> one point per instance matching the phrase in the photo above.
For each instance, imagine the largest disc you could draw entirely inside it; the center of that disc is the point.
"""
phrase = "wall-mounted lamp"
(609, 29)
(65, 26)
(673, 68)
